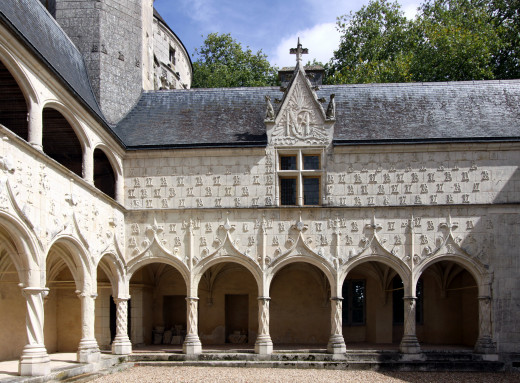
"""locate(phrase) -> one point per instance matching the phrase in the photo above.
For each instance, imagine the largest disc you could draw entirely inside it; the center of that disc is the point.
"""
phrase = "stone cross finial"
(299, 51)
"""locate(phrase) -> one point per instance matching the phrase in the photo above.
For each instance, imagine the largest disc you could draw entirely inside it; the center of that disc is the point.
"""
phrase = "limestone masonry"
(137, 211)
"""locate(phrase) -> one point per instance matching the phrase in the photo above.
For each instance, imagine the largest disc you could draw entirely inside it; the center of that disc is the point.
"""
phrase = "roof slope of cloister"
(372, 113)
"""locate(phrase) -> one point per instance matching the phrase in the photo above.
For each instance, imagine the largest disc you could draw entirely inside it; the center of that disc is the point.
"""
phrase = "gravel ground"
(279, 375)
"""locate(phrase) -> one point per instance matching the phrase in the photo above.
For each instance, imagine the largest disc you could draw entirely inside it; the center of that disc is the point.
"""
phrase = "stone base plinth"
(88, 351)
(336, 345)
(192, 345)
(121, 346)
(410, 345)
(485, 346)
(264, 346)
(34, 361)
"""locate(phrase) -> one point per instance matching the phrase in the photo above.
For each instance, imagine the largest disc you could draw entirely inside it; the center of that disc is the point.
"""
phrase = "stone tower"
(110, 35)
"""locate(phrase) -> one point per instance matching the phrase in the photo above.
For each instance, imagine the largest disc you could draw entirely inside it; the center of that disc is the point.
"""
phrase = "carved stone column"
(88, 350)
(34, 359)
(88, 165)
(121, 344)
(409, 343)
(192, 343)
(336, 343)
(484, 344)
(263, 344)
(35, 126)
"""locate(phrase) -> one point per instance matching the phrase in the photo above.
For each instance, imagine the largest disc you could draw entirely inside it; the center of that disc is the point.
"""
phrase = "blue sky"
(270, 25)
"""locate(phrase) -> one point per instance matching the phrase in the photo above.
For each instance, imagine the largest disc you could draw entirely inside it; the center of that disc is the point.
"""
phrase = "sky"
(268, 25)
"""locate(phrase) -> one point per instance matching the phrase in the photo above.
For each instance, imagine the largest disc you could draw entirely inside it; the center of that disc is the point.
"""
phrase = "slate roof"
(376, 113)
(34, 25)
(197, 117)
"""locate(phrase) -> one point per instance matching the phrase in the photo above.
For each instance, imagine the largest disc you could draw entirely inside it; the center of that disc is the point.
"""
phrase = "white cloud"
(321, 40)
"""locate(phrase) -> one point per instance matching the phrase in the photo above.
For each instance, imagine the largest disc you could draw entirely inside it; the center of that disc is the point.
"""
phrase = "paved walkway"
(9, 368)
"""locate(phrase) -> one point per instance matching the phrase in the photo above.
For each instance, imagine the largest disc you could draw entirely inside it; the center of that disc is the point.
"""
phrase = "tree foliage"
(449, 40)
(221, 62)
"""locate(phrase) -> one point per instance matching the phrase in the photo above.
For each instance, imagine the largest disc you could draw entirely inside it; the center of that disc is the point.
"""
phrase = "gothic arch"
(114, 268)
(476, 270)
(19, 75)
(104, 182)
(136, 263)
(71, 119)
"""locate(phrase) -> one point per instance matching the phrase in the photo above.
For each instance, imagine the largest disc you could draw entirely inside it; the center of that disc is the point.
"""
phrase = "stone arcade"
(135, 210)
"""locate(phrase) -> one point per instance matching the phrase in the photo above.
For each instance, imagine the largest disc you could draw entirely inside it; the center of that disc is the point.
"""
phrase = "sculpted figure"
(269, 114)
(331, 109)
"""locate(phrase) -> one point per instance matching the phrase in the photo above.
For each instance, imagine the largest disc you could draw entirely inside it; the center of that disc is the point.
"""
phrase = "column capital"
(264, 298)
(82, 294)
(121, 299)
(27, 291)
(192, 298)
(336, 299)
(484, 298)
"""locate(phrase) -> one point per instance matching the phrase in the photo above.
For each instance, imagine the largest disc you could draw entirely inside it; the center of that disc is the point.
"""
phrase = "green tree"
(375, 45)
(221, 63)
(506, 20)
(455, 40)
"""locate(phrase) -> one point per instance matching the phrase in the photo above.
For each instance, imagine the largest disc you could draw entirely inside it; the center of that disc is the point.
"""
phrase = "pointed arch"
(107, 171)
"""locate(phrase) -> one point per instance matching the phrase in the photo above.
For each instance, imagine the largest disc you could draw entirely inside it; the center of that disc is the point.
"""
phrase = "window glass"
(311, 191)
(311, 162)
(354, 302)
(288, 163)
(288, 191)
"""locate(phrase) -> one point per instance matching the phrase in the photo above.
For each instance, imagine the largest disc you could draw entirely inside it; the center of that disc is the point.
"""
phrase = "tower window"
(172, 55)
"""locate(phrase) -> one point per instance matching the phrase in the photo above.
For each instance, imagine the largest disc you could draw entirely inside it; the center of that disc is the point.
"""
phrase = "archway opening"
(104, 176)
(300, 307)
(13, 335)
(228, 307)
(62, 326)
(13, 106)
(450, 307)
(104, 323)
(60, 141)
(370, 318)
(157, 308)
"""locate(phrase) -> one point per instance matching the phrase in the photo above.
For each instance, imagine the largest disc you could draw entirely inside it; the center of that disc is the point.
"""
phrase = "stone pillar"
(484, 344)
(263, 344)
(88, 165)
(409, 343)
(336, 343)
(35, 126)
(34, 359)
(88, 350)
(192, 343)
(121, 344)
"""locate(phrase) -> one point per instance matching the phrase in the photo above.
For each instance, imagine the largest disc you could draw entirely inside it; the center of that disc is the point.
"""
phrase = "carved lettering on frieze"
(357, 178)
(465, 177)
(135, 229)
(177, 242)
(350, 189)
(269, 190)
(237, 201)
(424, 188)
(164, 203)
(245, 191)
(449, 198)
(370, 201)
(348, 240)
(402, 200)
(433, 199)
(137, 183)
(198, 181)
(469, 225)
(228, 170)
(465, 198)
(386, 201)
(203, 241)
(173, 227)
(456, 188)
(395, 189)
(386, 178)
(149, 203)
(372, 178)
(137, 203)
(485, 175)
(228, 192)
(172, 193)
(268, 169)
(208, 192)
(256, 180)
(144, 193)
(473, 166)
(251, 240)
(424, 240)
(342, 178)
(417, 221)
(343, 201)
(323, 240)
(236, 180)
(391, 225)
(181, 202)
(330, 189)
(440, 188)
(354, 226)
(447, 177)
(200, 203)
(415, 177)
(245, 227)
(330, 179)
(408, 189)
(476, 187)
(429, 225)
(357, 201)
(275, 241)
(268, 179)
(180, 181)
(163, 182)
(431, 177)
(380, 189)
(216, 180)
(218, 202)
(318, 226)
(132, 242)
(157, 193)
(149, 182)
(397, 240)
(364, 189)
(268, 201)
(189, 192)
(399, 177)
(131, 193)
(254, 201)
(417, 200)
